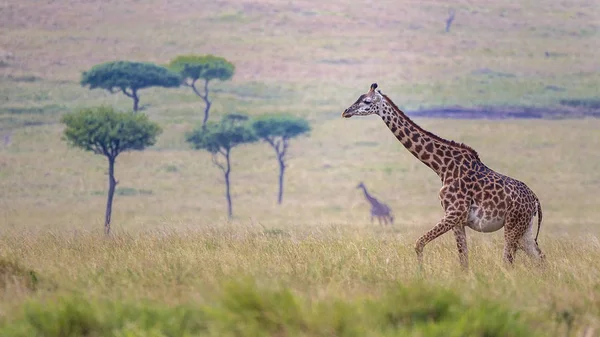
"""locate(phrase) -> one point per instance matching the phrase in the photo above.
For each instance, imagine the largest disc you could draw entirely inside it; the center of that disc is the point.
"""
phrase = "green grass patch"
(32, 110)
(126, 192)
(246, 309)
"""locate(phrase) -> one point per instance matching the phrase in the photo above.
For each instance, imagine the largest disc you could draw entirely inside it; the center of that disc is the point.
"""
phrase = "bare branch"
(216, 162)
(196, 91)
(285, 146)
(278, 146)
(124, 90)
(104, 149)
(97, 149)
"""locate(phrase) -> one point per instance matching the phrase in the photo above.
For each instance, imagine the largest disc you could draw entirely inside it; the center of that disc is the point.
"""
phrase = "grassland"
(315, 265)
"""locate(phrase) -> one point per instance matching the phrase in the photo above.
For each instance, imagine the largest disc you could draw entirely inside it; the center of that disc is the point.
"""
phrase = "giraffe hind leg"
(514, 231)
(528, 244)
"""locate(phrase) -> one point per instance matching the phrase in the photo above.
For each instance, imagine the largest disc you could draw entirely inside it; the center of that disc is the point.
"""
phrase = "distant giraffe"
(472, 194)
(378, 209)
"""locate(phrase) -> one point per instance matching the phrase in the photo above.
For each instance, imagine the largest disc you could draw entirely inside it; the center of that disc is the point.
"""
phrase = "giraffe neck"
(444, 157)
(367, 195)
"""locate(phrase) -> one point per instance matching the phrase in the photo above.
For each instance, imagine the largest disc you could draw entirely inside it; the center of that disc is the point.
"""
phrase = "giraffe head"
(361, 185)
(367, 104)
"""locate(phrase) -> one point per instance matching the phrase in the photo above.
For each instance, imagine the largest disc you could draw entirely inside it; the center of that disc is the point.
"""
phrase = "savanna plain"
(315, 265)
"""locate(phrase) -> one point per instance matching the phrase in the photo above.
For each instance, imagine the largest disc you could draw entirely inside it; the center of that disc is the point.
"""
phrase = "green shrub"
(245, 309)
(75, 316)
(12, 272)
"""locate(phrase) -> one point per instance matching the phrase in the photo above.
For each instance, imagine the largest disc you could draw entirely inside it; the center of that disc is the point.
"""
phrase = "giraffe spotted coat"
(472, 194)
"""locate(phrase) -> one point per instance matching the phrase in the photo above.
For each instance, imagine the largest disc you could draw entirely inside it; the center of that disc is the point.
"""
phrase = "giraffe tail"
(539, 214)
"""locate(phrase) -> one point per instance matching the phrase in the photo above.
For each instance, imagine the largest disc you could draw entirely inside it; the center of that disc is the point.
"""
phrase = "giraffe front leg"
(442, 227)
(461, 243)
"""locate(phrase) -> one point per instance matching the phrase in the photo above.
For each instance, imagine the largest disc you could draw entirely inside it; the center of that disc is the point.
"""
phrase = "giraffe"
(472, 194)
(378, 209)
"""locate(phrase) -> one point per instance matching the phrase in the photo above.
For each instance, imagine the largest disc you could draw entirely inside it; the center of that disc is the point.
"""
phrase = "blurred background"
(516, 80)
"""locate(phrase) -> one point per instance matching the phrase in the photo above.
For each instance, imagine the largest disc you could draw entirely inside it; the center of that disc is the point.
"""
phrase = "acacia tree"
(129, 77)
(277, 130)
(192, 68)
(219, 138)
(106, 132)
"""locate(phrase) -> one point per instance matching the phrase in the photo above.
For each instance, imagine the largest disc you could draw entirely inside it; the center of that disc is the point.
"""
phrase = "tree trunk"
(112, 183)
(281, 172)
(136, 101)
(227, 185)
(208, 103)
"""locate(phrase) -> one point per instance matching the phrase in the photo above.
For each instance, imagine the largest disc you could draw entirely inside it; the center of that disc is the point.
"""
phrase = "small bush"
(12, 272)
(171, 168)
(73, 316)
(409, 306)
(245, 310)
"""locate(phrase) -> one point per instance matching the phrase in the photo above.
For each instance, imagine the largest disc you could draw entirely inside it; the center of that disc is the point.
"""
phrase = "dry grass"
(173, 244)
(318, 263)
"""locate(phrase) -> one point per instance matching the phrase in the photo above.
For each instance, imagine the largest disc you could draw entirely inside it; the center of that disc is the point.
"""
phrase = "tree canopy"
(277, 130)
(206, 67)
(219, 139)
(192, 68)
(280, 126)
(104, 131)
(129, 77)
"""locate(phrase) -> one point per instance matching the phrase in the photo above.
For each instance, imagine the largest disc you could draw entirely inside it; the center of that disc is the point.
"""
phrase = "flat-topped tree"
(202, 67)
(129, 77)
(106, 132)
(219, 138)
(277, 130)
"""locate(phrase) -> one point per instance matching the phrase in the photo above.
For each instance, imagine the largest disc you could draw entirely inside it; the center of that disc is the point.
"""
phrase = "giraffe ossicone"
(472, 194)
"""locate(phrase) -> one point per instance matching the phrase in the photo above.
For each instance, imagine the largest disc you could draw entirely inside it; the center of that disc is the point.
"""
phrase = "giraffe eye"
(367, 101)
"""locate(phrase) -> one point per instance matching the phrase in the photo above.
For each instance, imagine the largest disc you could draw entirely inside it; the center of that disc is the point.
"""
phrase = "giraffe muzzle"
(345, 114)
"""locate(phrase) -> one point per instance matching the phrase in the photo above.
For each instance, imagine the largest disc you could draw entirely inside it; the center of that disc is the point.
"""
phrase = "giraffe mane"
(436, 137)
